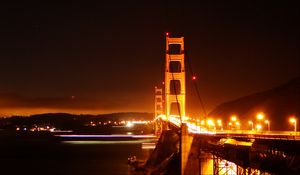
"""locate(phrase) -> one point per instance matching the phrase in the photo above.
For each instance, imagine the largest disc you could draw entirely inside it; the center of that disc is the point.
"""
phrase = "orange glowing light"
(258, 127)
(233, 118)
(260, 116)
(292, 120)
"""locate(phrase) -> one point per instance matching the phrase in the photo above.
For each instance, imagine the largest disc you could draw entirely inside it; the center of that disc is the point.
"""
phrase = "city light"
(129, 124)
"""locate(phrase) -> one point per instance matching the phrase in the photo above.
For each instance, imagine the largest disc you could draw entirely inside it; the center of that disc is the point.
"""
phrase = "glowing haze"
(104, 57)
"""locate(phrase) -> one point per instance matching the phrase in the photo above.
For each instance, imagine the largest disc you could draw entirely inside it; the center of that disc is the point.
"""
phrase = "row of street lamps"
(259, 126)
(235, 124)
(260, 119)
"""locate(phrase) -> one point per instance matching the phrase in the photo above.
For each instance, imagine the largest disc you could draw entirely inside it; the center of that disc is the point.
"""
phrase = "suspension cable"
(195, 84)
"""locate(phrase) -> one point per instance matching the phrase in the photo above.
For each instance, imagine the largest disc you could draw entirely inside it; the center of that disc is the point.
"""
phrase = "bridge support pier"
(194, 161)
(205, 162)
(186, 144)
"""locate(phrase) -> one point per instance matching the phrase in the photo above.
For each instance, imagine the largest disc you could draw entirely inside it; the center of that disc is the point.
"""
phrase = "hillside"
(68, 121)
(277, 104)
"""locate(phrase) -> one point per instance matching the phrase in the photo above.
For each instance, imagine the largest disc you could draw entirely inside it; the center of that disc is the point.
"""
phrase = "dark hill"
(69, 121)
(277, 104)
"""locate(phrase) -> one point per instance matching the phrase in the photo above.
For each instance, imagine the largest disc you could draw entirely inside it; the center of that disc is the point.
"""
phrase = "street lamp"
(260, 116)
(230, 125)
(251, 123)
(202, 122)
(268, 123)
(220, 124)
(210, 123)
(237, 125)
(233, 118)
(258, 127)
(294, 121)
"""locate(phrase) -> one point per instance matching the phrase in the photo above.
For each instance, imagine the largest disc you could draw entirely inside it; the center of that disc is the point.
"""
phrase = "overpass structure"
(244, 152)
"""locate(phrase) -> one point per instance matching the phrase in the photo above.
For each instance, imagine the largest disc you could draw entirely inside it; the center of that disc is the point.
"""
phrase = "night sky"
(107, 57)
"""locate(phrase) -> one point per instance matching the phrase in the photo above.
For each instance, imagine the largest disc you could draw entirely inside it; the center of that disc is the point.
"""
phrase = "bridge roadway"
(248, 134)
(265, 151)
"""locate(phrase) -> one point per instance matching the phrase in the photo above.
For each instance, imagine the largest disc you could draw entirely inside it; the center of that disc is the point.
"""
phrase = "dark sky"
(104, 57)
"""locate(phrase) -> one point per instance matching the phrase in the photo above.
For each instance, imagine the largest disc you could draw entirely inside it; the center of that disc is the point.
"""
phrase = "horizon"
(49, 111)
(93, 112)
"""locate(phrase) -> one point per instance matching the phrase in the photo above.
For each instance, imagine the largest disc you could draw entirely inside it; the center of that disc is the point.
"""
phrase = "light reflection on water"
(113, 150)
(112, 154)
(93, 142)
(81, 157)
(128, 136)
(75, 157)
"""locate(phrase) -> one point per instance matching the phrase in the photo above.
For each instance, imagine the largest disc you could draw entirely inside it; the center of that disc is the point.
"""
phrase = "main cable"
(195, 84)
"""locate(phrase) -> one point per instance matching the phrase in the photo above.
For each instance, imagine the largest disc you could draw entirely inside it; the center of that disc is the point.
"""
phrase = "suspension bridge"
(242, 152)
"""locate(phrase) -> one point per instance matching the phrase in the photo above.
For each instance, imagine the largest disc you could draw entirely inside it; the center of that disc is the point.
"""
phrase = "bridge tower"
(174, 76)
(158, 102)
(158, 110)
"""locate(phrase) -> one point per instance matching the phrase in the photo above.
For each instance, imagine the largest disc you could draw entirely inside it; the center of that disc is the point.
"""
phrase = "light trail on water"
(105, 136)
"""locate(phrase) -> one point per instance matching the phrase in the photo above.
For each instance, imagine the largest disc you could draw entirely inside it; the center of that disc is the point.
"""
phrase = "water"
(88, 157)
